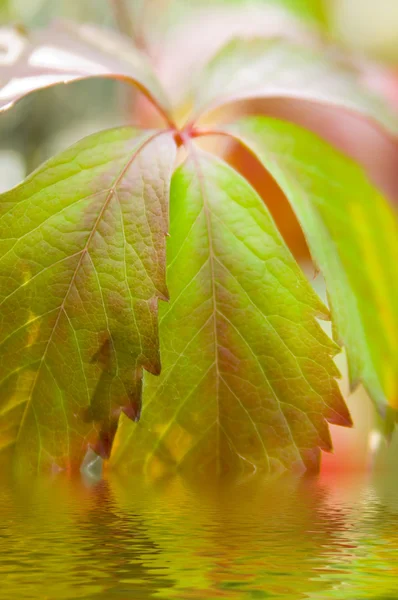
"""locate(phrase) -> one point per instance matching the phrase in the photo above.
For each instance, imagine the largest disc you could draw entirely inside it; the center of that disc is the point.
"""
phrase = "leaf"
(353, 236)
(183, 50)
(65, 53)
(276, 68)
(82, 265)
(247, 380)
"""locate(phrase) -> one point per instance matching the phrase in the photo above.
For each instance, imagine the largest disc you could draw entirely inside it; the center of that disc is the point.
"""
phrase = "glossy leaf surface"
(277, 68)
(66, 52)
(247, 379)
(82, 266)
(353, 236)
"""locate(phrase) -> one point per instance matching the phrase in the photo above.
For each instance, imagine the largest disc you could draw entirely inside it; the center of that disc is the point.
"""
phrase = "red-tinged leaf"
(248, 382)
(82, 266)
(65, 53)
(352, 233)
(258, 68)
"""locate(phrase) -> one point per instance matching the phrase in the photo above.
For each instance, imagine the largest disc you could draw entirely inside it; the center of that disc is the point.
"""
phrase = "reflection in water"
(308, 538)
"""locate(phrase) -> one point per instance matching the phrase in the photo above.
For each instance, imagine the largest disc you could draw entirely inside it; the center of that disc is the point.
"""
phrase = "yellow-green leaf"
(353, 236)
(82, 266)
(247, 378)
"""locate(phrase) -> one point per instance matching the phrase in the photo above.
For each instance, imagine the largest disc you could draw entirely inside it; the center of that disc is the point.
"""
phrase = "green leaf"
(66, 52)
(353, 236)
(82, 265)
(276, 68)
(247, 381)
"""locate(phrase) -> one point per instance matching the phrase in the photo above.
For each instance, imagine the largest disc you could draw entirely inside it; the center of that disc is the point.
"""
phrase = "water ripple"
(290, 539)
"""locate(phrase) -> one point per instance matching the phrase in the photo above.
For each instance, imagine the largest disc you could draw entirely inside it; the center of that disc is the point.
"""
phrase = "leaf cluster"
(248, 380)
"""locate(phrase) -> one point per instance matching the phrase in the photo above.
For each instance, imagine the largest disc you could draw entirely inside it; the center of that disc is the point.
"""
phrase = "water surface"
(328, 537)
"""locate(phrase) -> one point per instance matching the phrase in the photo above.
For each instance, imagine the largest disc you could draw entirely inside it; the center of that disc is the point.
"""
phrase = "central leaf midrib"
(214, 299)
(216, 310)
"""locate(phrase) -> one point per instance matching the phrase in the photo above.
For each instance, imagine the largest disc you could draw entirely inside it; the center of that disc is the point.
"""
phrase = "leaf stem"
(194, 132)
(126, 27)
(162, 111)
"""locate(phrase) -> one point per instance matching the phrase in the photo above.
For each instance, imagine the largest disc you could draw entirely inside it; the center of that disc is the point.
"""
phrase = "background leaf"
(182, 50)
(66, 52)
(276, 68)
(353, 237)
(82, 265)
(247, 380)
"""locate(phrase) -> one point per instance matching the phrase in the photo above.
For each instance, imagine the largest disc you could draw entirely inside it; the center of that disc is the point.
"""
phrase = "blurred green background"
(52, 119)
